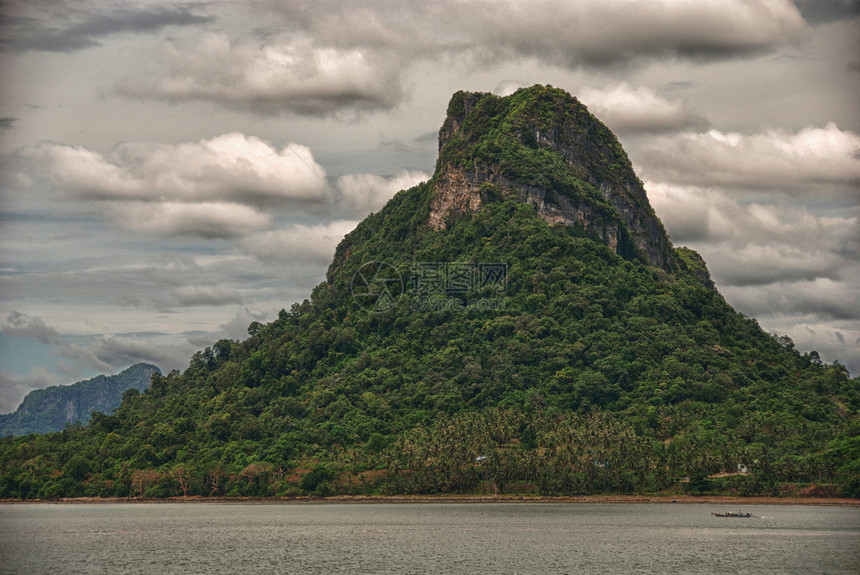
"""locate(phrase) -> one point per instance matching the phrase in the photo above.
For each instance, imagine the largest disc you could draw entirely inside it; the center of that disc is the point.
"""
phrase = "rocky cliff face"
(542, 147)
(460, 191)
(50, 409)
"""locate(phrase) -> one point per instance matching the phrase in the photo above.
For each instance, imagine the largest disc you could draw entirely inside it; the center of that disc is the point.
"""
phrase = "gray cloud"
(758, 244)
(69, 28)
(600, 33)
(798, 273)
(208, 295)
(215, 188)
(298, 242)
(21, 325)
(426, 137)
(117, 351)
(18, 324)
(825, 11)
(588, 32)
(231, 167)
(287, 74)
(211, 220)
(775, 159)
(361, 194)
(6, 122)
(820, 298)
(236, 328)
(148, 283)
(508, 87)
(639, 111)
(333, 57)
(765, 265)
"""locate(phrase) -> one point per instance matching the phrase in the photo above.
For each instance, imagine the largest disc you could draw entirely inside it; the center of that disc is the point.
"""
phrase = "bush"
(316, 477)
(324, 489)
(375, 443)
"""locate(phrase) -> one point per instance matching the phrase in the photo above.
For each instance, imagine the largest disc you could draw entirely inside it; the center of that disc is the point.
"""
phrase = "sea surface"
(407, 538)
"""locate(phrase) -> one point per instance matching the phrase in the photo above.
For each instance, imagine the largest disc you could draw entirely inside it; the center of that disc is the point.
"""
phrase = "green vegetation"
(546, 140)
(52, 408)
(597, 374)
(522, 134)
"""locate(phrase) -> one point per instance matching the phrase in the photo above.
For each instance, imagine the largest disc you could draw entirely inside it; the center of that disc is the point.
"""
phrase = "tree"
(699, 484)
(317, 476)
(142, 479)
(77, 468)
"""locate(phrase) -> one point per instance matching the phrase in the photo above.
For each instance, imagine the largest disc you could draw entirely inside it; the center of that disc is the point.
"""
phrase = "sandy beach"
(716, 500)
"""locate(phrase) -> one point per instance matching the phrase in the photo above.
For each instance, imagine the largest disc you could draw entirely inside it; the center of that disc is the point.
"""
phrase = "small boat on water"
(732, 514)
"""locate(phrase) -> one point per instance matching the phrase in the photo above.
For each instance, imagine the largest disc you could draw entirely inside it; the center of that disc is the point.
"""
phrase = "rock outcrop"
(541, 146)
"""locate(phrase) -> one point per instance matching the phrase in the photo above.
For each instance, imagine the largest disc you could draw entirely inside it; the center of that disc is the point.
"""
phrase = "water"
(426, 538)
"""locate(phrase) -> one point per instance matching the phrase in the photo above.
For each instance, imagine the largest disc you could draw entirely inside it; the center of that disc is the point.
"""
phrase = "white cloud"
(640, 110)
(288, 73)
(213, 188)
(231, 167)
(298, 242)
(364, 193)
(208, 220)
(771, 160)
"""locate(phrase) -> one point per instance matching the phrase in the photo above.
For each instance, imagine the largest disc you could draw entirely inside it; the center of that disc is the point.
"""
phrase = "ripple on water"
(425, 538)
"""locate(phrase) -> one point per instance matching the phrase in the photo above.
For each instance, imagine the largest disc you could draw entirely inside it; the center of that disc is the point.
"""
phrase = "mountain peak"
(540, 145)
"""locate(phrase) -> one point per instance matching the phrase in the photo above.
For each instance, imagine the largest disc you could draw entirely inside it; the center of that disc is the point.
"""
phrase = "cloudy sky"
(171, 172)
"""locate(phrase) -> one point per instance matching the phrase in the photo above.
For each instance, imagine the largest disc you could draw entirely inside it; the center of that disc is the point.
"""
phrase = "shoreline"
(722, 500)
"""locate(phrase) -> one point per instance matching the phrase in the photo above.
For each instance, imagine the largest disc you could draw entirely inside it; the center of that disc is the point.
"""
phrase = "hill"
(52, 408)
(519, 323)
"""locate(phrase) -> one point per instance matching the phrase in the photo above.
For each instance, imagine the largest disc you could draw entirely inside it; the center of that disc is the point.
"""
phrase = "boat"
(732, 514)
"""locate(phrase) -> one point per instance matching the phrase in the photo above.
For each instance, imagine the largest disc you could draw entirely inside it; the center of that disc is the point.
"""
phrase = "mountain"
(52, 408)
(519, 323)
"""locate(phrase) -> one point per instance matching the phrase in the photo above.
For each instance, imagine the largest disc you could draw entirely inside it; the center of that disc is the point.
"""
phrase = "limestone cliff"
(52, 408)
(541, 146)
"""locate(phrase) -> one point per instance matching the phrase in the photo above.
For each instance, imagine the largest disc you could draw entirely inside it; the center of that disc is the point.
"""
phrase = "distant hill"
(50, 409)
